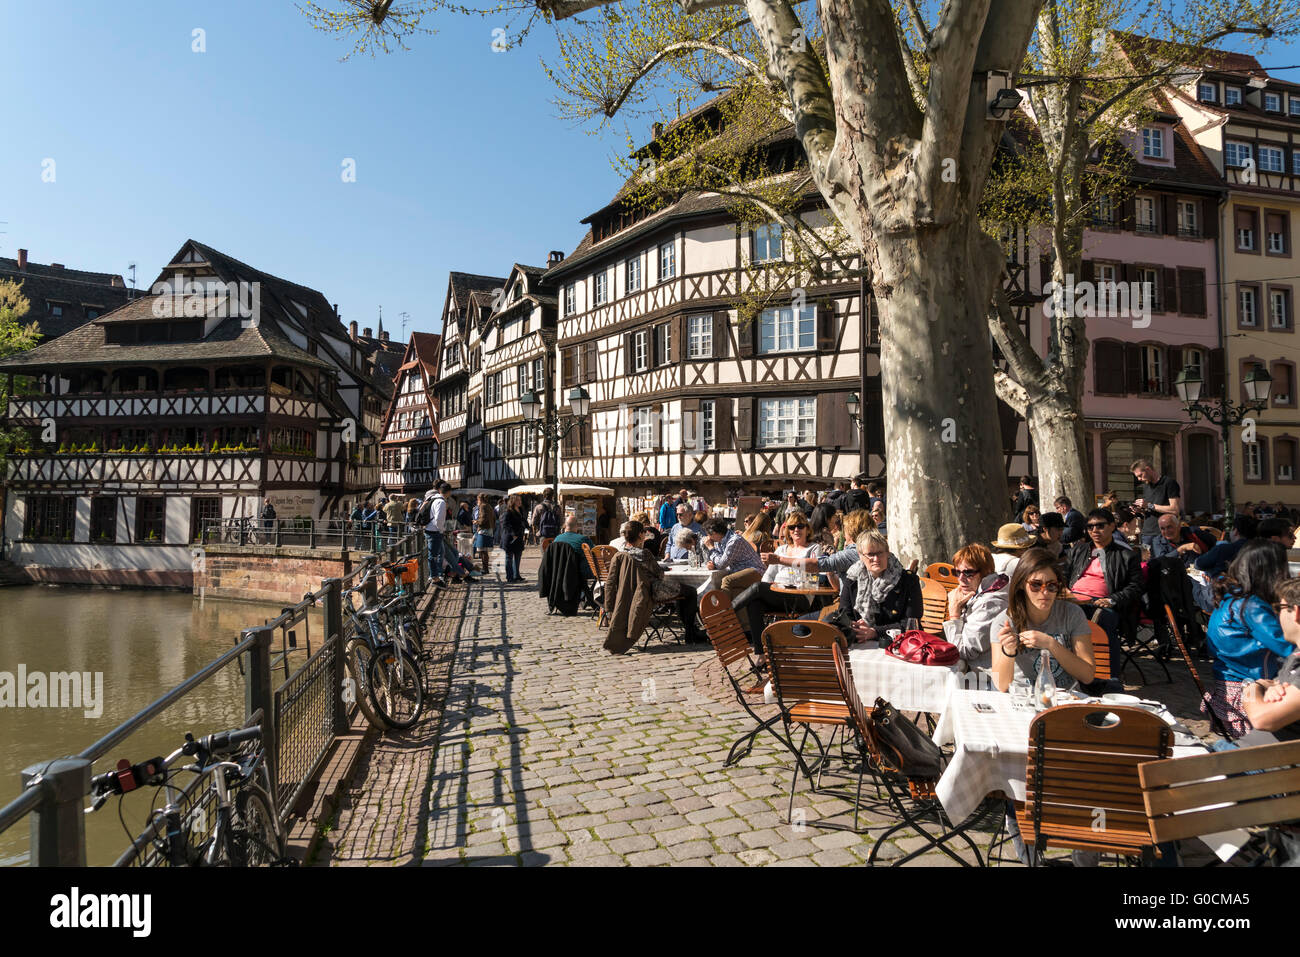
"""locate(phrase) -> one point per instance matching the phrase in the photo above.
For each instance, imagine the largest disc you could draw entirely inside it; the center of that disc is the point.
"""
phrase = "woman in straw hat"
(1012, 540)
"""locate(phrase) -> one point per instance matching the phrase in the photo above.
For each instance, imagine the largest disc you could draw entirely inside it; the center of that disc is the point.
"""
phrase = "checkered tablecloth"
(991, 750)
(906, 686)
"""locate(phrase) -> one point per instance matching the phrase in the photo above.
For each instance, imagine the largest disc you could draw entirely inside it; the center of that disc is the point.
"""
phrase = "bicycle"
(243, 531)
(402, 605)
(387, 677)
(244, 832)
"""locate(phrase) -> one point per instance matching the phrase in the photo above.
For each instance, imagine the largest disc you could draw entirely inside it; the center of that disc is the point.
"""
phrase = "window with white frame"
(1105, 274)
(1153, 368)
(1254, 461)
(530, 441)
(667, 261)
(700, 337)
(601, 284)
(784, 329)
(706, 424)
(1144, 210)
(787, 422)
(1293, 103)
(1270, 159)
(1188, 224)
(1246, 306)
(1279, 310)
(767, 243)
(1153, 142)
(1236, 154)
(522, 375)
(1275, 227)
(1232, 96)
(1273, 102)
(1295, 157)
(1148, 295)
(1103, 210)
(643, 423)
(640, 351)
(1206, 92)
(663, 341)
(539, 365)
(1195, 359)
(632, 271)
(570, 299)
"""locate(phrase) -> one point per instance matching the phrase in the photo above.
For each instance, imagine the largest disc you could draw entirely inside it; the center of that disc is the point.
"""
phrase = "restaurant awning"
(565, 488)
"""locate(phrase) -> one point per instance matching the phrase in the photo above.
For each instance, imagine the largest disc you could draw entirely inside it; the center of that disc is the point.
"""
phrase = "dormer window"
(55, 309)
(516, 293)
(1206, 92)
(1232, 96)
(1153, 142)
(1273, 102)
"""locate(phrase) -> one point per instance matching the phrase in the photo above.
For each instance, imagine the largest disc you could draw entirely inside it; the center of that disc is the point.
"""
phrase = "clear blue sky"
(461, 162)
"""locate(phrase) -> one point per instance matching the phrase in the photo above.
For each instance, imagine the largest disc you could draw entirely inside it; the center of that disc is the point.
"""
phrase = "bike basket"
(410, 572)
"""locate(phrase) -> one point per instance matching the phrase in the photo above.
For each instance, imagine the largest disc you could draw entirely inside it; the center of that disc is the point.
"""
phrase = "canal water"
(143, 644)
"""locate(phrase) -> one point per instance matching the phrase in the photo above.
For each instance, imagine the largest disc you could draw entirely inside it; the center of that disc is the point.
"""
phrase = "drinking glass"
(911, 624)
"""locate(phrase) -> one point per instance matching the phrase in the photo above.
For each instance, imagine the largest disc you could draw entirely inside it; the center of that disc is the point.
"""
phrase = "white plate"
(1124, 699)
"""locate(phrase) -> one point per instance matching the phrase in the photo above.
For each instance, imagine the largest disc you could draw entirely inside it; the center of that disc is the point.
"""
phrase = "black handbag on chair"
(903, 747)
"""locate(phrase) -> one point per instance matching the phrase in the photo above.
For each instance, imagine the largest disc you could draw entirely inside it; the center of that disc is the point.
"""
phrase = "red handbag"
(921, 648)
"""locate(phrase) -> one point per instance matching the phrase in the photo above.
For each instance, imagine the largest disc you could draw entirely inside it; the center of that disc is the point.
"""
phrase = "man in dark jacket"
(1216, 561)
(1108, 577)
(1028, 495)
(1074, 521)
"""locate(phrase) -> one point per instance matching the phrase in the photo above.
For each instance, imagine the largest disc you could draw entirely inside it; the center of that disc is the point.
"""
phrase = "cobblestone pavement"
(552, 751)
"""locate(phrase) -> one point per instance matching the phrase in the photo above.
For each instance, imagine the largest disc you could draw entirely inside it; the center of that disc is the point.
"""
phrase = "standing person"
(667, 514)
(810, 501)
(1028, 495)
(412, 509)
(547, 520)
(1158, 495)
(512, 537)
(485, 523)
(878, 515)
(370, 524)
(393, 513)
(267, 515)
(1074, 520)
(358, 525)
(434, 513)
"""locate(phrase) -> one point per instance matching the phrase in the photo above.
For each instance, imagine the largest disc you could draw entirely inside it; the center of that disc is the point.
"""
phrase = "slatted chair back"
(859, 719)
(1214, 533)
(1215, 723)
(604, 555)
(914, 565)
(828, 610)
(1100, 651)
(591, 560)
(1221, 791)
(722, 625)
(1081, 787)
(942, 573)
(803, 670)
(934, 598)
(546, 543)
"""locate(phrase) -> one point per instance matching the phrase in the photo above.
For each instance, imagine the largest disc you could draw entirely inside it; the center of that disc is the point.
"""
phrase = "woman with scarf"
(881, 592)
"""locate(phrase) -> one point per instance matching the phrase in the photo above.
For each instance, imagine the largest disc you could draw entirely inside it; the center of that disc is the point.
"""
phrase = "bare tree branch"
(679, 47)
(918, 24)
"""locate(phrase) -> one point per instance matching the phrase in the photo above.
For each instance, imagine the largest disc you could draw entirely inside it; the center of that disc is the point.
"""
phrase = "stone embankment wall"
(265, 573)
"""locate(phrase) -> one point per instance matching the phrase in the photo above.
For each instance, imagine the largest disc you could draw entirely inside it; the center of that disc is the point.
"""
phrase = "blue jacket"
(1246, 638)
(668, 514)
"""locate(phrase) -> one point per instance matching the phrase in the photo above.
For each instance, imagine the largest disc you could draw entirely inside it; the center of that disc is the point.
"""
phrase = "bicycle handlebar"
(129, 776)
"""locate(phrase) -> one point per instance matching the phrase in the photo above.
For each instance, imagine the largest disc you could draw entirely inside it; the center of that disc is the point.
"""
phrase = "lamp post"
(853, 406)
(546, 422)
(1224, 413)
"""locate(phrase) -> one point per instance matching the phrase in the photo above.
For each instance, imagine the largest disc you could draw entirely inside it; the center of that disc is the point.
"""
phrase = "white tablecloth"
(991, 750)
(700, 578)
(906, 686)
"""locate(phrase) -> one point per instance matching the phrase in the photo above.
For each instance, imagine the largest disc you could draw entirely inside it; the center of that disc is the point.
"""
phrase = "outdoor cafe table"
(991, 749)
(907, 686)
(700, 578)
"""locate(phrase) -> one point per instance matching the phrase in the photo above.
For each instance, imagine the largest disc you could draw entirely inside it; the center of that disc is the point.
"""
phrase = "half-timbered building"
(518, 357)
(409, 449)
(62, 299)
(225, 385)
(462, 312)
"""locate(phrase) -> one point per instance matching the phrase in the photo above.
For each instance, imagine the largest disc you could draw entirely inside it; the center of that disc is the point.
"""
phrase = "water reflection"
(145, 643)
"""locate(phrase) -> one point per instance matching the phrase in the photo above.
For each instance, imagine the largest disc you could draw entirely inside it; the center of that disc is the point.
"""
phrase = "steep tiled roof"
(464, 283)
(76, 290)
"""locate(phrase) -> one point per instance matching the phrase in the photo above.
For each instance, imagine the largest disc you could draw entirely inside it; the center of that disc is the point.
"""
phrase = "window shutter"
(721, 328)
(744, 436)
(1108, 367)
(1214, 377)
(691, 425)
(1088, 271)
(566, 369)
(1132, 369)
(827, 326)
(722, 437)
(1128, 214)
(1173, 366)
(826, 418)
(1170, 213)
(652, 345)
(746, 336)
(1169, 294)
(1191, 291)
(1210, 218)
(873, 418)
(629, 354)
(1129, 274)
(678, 340)
(589, 362)
(658, 426)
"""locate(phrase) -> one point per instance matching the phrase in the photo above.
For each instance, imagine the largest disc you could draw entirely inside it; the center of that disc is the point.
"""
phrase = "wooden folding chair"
(942, 573)
(1221, 791)
(729, 640)
(1100, 651)
(1215, 722)
(1081, 784)
(602, 556)
(599, 614)
(806, 686)
(912, 798)
(934, 599)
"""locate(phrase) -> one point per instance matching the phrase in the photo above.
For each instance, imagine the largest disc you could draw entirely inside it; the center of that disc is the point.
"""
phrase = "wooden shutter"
(1169, 298)
(1173, 366)
(722, 436)
(652, 345)
(1129, 274)
(1128, 213)
(691, 424)
(873, 418)
(1088, 271)
(826, 417)
(745, 414)
(721, 329)
(1191, 291)
(568, 371)
(657, 426)
(1169, 213)
(589, 365)
(1108, 367)
(1133, 380)
(629, 353)
(1210, 218)
(827, 326)
(746, 337)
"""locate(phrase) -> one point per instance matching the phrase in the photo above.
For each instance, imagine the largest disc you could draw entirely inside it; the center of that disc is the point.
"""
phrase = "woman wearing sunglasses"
(1034, 621)
(980, 596)
(759, 598)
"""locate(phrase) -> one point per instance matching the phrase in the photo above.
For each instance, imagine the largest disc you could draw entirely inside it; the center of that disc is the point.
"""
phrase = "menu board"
(585, 509)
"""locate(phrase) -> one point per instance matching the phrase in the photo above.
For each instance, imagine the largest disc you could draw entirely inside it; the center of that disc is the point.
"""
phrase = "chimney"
(336, 310)
(118, 281)
(56, 265)
(352, 329)
(22, 259)
(658, 130)
(366, 332)
(555, 258)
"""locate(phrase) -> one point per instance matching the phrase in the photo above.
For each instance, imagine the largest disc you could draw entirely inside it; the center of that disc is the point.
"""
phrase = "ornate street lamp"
(546, 422)
(1224, 413)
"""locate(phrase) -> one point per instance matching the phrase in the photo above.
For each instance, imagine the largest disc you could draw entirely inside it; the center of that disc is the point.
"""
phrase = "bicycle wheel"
(357, 656)
(396, 686)
(254, 838)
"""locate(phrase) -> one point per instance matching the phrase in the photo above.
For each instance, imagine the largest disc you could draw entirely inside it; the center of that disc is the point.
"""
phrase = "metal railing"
(303, 533)
(300, 718)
